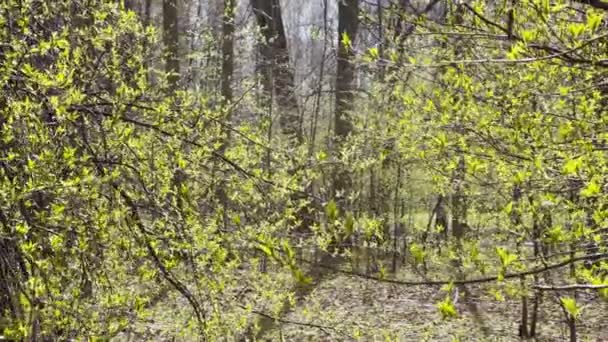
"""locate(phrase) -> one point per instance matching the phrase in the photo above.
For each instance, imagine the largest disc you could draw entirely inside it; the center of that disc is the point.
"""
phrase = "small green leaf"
(349, 224)
(417, 252)
(509, 208)
(506, 258)
(447, 309)
(591, 189)
(572, 166)
(321, 156)
(576, 29)
(571, 306)
(267, 250)
(346, 42)
(21, 228)
(236, 219)
(528, 35)
(331, 210)
(373, 53)
(594, 20)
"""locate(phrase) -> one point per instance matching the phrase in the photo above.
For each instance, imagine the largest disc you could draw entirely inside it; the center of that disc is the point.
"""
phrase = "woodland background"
(334, 170)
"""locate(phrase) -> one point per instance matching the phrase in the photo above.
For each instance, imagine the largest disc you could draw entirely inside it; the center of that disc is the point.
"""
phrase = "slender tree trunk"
(459, 200)
(572, 328)
(535, 309)
(317, 106)
(523, 325)
(227, 51)
(171, 41)
(129, 5)
(441, 217)
(147, 12)
(396, 219)
(226, 89)
(348, 25)
(459, 204)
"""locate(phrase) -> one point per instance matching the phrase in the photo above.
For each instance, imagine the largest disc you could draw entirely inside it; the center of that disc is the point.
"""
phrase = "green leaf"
(349, 224)
(236, 219)
(576, 29)
(289, 252)
(572, 166)
(373, 53)
(57, 209)
(22, 228)
(56, 242)
(506, 258)
(266, 249)
(508, 208)
(556, 234)
(321, 156)
(571, 306)
(331, 210)
(498, 296)
(446, 309)
(594, 20)
(565, 129)
(591, 189)
(516, 51)
(417, 252)
(300, 276)
(528, 35)
(346, 42)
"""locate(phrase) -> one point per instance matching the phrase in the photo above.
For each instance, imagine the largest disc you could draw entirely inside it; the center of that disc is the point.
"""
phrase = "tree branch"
(570, 287)
(594, 3)
(595, 257)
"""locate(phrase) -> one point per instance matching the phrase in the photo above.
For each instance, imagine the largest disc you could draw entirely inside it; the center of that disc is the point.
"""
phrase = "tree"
(227, 51)
(274, 67)
(171, 40)
(348, 24)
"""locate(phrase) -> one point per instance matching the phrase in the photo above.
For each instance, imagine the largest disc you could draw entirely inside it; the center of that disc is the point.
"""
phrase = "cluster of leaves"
(113, 190)
(508, 110)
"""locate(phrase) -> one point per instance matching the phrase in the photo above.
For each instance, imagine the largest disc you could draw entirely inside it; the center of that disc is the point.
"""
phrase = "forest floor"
(344, 307)
(366, 310)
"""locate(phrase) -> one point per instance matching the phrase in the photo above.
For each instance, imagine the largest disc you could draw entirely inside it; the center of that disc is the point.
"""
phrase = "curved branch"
(595, 257)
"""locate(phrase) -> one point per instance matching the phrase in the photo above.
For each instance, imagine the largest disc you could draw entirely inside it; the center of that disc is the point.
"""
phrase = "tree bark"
(171, 41)
(227, 51)
(348, 25)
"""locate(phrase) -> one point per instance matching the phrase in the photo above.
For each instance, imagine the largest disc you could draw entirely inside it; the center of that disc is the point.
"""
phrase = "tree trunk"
(277, 75)
(348, 24)
(129, 5)
(226, 92)
(227, 51)
(171, 41)
(459, 198)
(459, 203)
(572, 328)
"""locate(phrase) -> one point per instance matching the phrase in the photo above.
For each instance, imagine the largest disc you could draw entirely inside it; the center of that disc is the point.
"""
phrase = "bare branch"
(595, 257)
(594, 3)
(570, 287)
